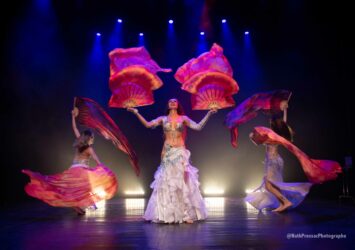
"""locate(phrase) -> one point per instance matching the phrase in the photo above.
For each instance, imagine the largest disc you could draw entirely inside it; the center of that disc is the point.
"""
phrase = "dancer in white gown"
(273, 193)
(176, 196)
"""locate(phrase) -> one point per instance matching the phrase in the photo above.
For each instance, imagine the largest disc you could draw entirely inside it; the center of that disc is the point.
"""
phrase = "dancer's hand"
(75, 112)
(251, 137)
(133, 110)
(213, 111)
(283, 105)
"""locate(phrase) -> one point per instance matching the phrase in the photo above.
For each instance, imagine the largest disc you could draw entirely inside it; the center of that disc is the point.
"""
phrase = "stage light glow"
(134, 192)
(119, 20)
(202, 33)
(98, 212)
(246, 33)
(134, 206)
(101, 204)
(132, 203)
(171, 21)
(248, 190)
(213, 191)
(98, 34)
(215, 206)
(100, 192)
(224, 20)
(141, 34)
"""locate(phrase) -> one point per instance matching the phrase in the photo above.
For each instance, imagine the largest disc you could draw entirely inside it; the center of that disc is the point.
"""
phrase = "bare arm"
(283, 107)
(75, 113)
(152, 124)
(94, 156)
(198, 126)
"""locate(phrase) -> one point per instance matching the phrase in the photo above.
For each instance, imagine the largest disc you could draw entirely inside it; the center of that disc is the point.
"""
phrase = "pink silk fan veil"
(75, 187)
(209, 78)
(92, 115)
(268, 102)
(133, 77)
(317, 171)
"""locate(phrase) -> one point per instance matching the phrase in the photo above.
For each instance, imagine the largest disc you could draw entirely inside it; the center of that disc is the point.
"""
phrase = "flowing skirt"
(295, 192)
(79, 186)
(174, 199)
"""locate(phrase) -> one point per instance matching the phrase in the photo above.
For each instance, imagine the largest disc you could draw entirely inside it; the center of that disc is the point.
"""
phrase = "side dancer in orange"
(80, 186)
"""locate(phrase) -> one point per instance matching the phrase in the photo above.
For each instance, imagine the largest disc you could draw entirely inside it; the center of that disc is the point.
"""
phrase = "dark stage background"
(50, 54)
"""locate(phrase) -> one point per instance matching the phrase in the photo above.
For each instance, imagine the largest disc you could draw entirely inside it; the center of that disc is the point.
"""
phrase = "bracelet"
(136, 111)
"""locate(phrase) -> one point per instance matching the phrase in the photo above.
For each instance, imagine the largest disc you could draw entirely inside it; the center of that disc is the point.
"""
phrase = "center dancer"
(176, 196)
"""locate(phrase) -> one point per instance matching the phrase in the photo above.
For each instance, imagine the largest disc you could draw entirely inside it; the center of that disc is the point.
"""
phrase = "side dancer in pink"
(80, 186)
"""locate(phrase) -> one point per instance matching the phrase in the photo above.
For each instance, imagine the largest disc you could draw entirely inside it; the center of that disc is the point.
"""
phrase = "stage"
(232, 224)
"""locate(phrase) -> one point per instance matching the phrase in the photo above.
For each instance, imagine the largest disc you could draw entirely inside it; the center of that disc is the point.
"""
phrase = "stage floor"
(232, 224)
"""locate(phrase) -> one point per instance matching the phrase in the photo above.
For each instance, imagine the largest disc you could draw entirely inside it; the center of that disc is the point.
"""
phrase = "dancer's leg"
(285, 203)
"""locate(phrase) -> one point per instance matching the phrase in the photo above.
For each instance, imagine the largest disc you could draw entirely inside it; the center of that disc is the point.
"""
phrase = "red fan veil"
(75, 187)
(209, 78)
(268, 102)
(133, 77)
(92, 115)
(317, 171)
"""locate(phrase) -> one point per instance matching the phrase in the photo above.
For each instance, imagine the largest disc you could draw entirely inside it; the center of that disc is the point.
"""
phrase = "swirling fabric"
(79, 186)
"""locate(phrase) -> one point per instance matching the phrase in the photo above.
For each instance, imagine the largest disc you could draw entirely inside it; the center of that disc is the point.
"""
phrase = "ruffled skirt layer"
(175, 199)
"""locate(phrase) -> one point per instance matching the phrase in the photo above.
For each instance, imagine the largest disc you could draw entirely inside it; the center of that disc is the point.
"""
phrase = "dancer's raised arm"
(152, 124)
(198, 126)
(74, 114)
(283, 107)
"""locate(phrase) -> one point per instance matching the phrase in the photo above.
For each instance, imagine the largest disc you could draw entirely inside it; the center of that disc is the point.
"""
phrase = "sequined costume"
(174, 199)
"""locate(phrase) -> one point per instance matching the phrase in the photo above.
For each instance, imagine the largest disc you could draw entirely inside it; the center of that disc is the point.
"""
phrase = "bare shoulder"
(160, 118)
(185, 118)
(90, 150)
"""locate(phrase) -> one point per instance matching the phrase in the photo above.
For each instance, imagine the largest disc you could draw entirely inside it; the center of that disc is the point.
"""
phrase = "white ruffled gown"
(173, 200)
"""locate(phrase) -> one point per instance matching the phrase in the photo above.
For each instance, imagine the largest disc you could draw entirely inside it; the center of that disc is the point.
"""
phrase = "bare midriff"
(174, 139)
(81, 157)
